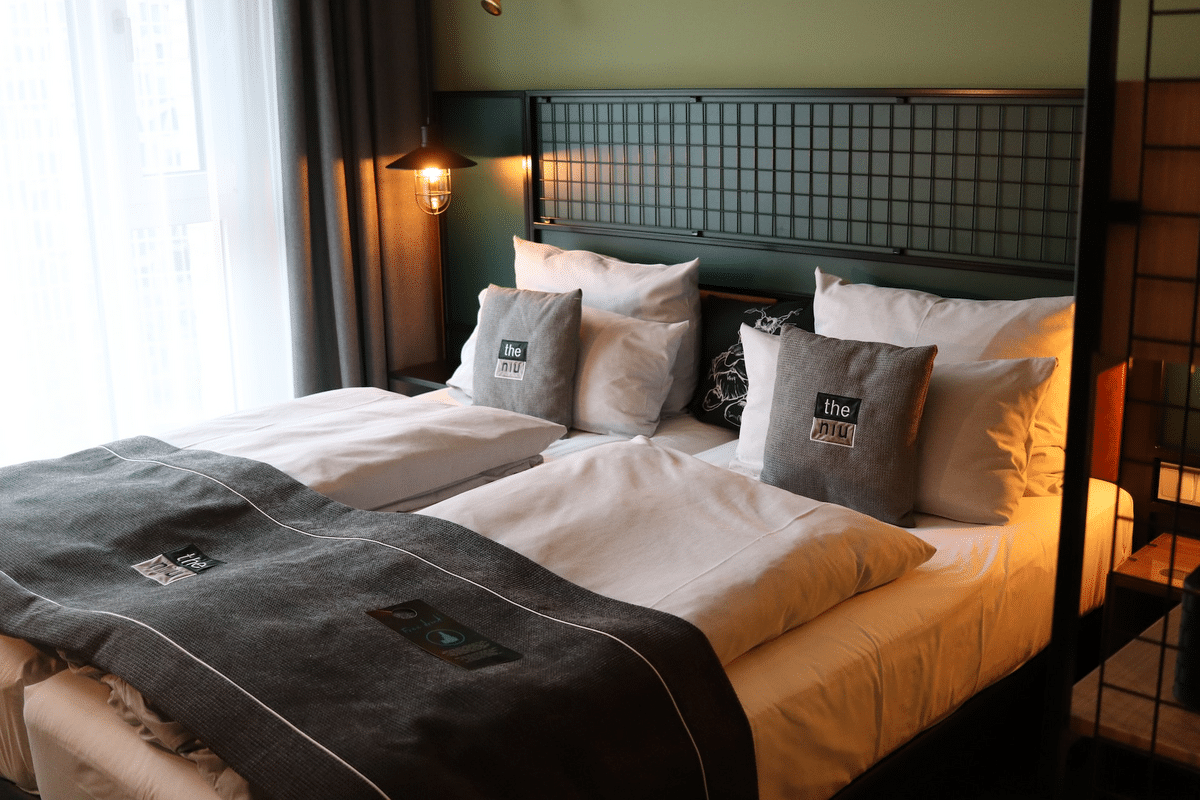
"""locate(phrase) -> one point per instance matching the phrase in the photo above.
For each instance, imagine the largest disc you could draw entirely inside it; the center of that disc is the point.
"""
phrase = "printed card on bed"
(844, 422)
(527, 350)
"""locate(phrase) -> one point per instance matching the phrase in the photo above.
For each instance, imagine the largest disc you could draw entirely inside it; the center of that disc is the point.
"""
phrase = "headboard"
(898, 182)
(964, 193)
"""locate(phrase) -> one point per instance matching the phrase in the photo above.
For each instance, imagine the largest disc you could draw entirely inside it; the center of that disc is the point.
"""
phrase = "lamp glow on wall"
(431, 165)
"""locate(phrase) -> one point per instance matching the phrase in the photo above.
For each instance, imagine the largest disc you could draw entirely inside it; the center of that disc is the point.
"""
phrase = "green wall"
(575, 44)
(704, 44)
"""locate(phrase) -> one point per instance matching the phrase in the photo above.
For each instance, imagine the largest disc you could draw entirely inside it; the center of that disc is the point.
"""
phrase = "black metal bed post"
(1099, 113)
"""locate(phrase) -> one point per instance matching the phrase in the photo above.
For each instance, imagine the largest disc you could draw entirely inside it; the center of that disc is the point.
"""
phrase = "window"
(141, 281)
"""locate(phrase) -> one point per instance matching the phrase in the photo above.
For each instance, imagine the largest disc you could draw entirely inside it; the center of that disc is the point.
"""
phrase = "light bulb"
(433, 189)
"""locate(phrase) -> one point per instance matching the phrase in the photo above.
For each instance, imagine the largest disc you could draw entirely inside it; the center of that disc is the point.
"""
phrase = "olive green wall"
(648, 44)
(576, 44)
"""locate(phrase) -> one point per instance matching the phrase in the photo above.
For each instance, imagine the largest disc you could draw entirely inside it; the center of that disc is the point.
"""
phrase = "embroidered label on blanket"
(511, 362)
(835, 419)
(176, 565)
(437, 633)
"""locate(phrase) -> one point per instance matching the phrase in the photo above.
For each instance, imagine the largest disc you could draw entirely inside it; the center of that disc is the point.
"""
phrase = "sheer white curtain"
(142, 282)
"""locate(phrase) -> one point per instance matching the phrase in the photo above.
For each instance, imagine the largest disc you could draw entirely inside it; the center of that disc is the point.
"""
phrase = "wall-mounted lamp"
(492, 7)
(431, 165)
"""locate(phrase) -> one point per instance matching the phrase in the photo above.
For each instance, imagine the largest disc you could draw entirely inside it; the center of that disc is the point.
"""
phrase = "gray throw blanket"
(326, 652)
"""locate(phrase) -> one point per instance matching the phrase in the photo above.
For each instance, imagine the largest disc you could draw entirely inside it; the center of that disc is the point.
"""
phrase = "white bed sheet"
(829, 699)
(681, 432)
(825, 701)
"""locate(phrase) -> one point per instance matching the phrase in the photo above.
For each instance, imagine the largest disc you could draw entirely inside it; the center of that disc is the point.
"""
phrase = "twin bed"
(838, 635)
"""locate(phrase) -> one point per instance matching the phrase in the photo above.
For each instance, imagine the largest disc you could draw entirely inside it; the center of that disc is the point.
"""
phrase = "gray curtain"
(362, 263)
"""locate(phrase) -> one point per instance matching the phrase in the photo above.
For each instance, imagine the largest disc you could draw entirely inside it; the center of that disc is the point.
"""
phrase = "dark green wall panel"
(488, 204)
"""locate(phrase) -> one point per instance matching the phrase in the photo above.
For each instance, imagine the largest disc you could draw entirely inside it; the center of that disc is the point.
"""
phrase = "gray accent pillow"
(526, 352)
(844, 422)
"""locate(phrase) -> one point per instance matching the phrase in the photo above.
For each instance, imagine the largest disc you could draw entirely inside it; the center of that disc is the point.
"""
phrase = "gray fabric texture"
(272, 659)
(362, 259)
(845, 420)
(538, 330)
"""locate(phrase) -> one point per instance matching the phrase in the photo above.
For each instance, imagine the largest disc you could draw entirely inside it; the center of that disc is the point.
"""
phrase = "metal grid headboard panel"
(936, 176)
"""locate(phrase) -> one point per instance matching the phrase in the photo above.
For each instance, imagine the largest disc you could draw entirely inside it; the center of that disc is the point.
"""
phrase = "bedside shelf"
(1129, 712)
(1147, 569)
(421, 378)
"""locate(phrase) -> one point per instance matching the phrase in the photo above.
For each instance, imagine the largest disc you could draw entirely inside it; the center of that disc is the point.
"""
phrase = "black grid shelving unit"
(984, 177)
(1142, 741)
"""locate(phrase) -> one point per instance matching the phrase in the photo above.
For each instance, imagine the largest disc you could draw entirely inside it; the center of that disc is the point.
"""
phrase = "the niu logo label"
(511, 362)
(176, 565)
(835, 419)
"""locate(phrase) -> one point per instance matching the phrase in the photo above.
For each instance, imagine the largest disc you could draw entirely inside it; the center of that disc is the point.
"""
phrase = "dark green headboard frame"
(954, 178)
(963, 193)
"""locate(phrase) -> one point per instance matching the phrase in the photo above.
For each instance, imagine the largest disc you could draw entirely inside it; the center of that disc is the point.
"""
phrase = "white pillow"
(973, 448)
(623, 376)
(963, 330)
(624, 372)
(652, 292)
(463, 378)
(761, 351)
(974, 431)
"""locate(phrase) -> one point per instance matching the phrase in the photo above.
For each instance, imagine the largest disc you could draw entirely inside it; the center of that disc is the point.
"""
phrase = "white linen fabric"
(681, 432)
(876, 669)
(885, 665)
(761, 351)
(21, 665)
(653, 292)
(974, 437)
(768, 561)
(624, 373)
(964, 330)
(973, 448)
(73, 734)
(378, 450)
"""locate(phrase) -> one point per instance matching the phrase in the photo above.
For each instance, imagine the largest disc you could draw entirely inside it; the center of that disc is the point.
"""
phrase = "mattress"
(825, 700)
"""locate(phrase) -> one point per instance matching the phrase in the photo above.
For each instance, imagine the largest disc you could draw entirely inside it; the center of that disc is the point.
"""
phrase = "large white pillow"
(652, 292)
(623, 375)
(964, 330)
(974, 437)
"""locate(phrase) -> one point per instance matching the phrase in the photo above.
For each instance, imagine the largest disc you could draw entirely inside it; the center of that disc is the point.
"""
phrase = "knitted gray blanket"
(326, 652)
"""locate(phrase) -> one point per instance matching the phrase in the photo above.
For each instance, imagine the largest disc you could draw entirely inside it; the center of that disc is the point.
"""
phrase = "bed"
(826, 691)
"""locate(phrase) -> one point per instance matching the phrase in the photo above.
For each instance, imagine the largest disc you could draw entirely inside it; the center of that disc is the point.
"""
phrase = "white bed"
(826, 699)
(363, 447)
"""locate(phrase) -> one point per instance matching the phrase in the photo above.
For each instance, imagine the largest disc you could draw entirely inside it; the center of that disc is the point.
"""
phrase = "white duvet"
(378, 450)
(631, 521)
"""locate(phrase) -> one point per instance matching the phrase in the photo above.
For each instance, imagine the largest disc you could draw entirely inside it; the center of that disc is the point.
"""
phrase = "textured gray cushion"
(526, 352)
(844, 422)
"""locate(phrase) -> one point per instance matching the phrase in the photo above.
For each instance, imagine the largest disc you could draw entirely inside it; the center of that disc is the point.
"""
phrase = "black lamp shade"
(428, 156)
